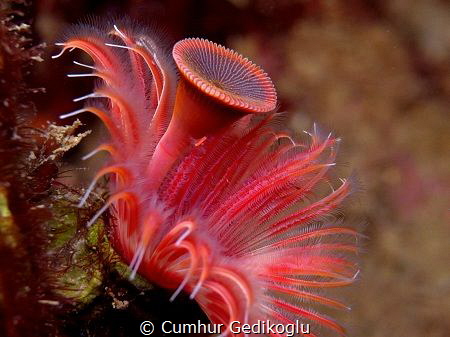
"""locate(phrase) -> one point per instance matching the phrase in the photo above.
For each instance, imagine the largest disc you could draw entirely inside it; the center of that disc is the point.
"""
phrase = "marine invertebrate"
(210, 196)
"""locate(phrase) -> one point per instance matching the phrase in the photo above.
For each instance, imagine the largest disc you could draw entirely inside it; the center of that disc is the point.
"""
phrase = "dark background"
(377, 73)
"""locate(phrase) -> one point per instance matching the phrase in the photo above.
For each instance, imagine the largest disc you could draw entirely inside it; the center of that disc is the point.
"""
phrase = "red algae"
(210, 195)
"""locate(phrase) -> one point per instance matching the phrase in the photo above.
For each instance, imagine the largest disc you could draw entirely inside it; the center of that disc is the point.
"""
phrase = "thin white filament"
(94, 94)
(278, 137)
(196, 289)
(90, 154)
(82, 75)
(183, 236)
(136, 261)
(86, 194)
(73, 113)
(198, 285)
(98, 214)
(84, 65)
(117, 46)
(58, 55)
(180, 287)
(119, 32)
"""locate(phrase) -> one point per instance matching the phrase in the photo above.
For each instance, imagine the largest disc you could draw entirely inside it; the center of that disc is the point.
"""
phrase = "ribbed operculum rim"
(225, 75)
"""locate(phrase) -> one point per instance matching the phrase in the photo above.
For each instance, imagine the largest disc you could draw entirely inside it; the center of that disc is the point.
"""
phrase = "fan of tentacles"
(209, 194)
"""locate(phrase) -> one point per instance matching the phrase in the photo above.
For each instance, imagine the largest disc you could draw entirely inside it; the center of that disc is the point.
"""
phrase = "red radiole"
(210, 195)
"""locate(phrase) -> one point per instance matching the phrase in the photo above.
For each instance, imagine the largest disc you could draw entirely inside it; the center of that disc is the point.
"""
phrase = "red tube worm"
(210, 197)
(216, 88)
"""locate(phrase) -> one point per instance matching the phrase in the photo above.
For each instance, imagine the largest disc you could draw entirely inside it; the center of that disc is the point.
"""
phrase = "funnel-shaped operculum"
(217, 87)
